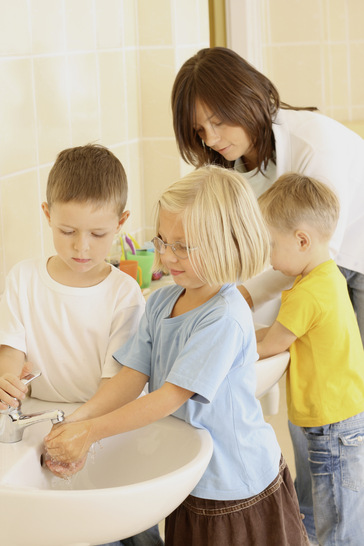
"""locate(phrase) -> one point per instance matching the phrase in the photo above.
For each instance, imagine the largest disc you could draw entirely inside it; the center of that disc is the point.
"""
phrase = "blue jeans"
(150, 537)
(355, 282)
(334, 469)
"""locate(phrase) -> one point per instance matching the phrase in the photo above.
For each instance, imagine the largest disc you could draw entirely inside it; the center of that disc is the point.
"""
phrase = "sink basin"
(269, 372)
(129, 483)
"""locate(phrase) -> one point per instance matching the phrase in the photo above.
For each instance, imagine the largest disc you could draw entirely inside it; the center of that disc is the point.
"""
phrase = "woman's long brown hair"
(236, 93)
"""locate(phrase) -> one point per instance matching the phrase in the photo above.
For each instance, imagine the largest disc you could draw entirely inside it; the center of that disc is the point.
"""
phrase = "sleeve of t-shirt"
(210, 353)
(137, 351)
(12, 331)
(124, 324)
(298, 311)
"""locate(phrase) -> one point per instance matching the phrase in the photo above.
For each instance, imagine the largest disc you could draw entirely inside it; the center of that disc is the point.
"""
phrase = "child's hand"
(11, 390)
(70, 442)
(63, 470)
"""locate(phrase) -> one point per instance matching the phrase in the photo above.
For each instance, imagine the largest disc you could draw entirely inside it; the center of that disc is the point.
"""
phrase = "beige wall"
(313, 50)
(78, 71)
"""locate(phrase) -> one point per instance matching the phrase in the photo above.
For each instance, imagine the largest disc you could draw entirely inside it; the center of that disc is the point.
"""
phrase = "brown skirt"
(271, 518)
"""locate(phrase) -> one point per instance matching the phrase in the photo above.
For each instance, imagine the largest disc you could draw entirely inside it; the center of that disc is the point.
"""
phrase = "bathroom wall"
(313, 50)
(79, 71)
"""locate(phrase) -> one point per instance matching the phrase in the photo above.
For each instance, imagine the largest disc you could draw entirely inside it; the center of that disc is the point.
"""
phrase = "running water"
(69, 476)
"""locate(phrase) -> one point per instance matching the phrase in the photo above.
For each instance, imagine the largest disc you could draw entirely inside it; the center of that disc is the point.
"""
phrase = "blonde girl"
(196, 347)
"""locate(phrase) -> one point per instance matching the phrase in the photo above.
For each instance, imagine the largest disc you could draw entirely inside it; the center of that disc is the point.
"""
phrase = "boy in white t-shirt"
(67, 314)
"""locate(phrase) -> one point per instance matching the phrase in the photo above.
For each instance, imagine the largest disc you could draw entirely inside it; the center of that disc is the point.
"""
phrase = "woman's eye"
(98, 235)
(66, 232)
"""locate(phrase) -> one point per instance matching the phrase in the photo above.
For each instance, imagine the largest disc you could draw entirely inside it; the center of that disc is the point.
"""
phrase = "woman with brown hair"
(228, 113)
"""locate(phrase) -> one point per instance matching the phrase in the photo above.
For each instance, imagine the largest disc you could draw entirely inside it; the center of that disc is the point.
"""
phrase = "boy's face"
(83, 234)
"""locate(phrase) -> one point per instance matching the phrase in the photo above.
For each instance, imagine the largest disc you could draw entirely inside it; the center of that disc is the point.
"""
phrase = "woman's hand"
(69, 443)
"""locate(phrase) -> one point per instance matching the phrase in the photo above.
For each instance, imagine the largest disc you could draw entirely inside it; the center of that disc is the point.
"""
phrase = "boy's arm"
(259, 334)
(12, 368)
(277, 339)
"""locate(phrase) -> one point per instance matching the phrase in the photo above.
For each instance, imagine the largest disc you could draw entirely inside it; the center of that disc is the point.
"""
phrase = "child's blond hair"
(221, 217)
(295, 200)
(90, 173)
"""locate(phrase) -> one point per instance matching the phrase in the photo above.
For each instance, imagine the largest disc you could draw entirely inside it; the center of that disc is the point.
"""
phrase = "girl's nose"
(169, 255)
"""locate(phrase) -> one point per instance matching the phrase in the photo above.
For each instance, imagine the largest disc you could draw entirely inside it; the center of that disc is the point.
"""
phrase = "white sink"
(129, 483)
(269, 372)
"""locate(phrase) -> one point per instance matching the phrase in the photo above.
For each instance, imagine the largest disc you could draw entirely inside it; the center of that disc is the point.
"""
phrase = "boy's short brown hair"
(294, 199)
(90, 173)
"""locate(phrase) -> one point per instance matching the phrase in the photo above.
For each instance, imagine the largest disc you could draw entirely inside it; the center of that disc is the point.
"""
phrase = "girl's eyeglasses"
(180, 250)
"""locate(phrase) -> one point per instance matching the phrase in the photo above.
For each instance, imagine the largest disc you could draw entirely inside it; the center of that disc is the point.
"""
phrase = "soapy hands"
(67, 446)
(63, 470)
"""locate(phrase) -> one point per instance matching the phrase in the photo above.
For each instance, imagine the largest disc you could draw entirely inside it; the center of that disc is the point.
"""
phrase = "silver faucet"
(13, 421)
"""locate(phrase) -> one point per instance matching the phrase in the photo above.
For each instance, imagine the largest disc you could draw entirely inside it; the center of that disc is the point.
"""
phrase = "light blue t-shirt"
(211, 350)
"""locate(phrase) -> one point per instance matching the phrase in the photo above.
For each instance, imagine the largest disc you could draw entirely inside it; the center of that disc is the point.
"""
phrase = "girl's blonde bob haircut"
(221, 217)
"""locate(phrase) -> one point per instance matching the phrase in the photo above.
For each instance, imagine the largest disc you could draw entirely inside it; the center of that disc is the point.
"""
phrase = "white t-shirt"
(66, 332)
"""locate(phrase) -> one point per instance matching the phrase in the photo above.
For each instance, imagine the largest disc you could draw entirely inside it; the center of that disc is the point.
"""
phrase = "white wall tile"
(48, 26)
(83, 93)
(14, 28)
(83, 71)
(17, 117)
(51, 85)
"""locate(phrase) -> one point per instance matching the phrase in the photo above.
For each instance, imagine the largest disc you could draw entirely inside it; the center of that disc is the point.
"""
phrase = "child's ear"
(47, 214)
(123, 219)
(303, 239)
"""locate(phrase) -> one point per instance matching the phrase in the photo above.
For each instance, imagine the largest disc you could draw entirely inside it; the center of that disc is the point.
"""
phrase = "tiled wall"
(313, 50)
(78, 71)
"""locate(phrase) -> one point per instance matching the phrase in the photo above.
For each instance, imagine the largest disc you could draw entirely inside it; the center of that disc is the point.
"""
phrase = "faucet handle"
(25, 380)
(30, 376)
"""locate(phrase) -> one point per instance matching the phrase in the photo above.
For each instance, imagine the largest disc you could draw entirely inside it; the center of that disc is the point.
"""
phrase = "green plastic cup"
(145, 258)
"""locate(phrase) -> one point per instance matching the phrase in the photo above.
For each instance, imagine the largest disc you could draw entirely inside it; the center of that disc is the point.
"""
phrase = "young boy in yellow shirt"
(325, 378)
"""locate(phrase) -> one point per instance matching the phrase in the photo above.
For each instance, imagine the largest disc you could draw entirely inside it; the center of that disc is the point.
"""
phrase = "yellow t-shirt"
(325, 378)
